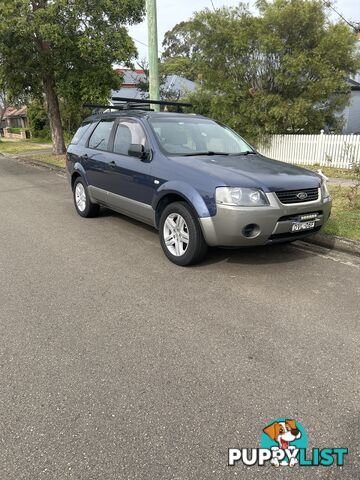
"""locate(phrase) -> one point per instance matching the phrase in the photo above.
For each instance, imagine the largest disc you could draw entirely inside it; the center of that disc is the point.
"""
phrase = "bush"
(18, 131)
(38, 120)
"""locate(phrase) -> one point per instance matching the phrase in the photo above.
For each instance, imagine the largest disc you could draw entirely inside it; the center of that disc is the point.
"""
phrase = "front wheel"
(181, 237)
(84, 207)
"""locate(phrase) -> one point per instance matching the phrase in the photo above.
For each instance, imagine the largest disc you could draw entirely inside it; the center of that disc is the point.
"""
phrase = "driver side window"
(128, 132)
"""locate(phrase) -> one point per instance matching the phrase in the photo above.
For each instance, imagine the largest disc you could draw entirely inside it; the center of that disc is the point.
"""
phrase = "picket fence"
(340, 151)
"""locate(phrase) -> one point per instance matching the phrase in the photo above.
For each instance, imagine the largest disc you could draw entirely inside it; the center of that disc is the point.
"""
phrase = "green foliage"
(143, 85)
(181, 66)
(283, 70)
(16, 130)
(38, 120)
(74, 44)
(344, 220)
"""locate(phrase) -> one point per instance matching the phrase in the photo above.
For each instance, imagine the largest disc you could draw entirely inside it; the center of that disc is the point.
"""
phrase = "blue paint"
(193, 178)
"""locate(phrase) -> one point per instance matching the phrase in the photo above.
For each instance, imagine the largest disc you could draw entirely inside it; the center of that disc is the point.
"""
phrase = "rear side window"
(80, 133)
(101, 135)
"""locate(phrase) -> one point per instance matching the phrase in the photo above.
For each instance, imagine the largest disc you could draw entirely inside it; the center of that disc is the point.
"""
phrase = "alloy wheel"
(176, 234)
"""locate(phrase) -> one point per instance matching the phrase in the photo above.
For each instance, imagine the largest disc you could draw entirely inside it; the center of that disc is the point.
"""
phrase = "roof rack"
(127, 106)
(137, 102)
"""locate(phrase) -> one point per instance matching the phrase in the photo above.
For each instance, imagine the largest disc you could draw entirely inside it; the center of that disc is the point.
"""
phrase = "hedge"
(18, 131)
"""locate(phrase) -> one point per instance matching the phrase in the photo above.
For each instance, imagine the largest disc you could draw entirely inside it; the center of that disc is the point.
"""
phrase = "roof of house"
(173, 83)
(12, 112)
(355, 86)
(131, 78)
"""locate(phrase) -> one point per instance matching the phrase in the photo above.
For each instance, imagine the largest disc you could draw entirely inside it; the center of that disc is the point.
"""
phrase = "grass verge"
(21, 146)
(57, 160)
(333, 172)
(344, 220)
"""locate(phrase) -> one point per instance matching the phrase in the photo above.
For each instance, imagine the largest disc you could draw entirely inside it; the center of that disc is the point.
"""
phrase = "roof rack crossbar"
(127, 106)
(137, 104)
(107, 107)
(164, 103)
(152, 102)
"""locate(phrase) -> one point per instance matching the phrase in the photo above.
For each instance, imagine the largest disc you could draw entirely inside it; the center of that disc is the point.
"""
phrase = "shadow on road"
(265, 255)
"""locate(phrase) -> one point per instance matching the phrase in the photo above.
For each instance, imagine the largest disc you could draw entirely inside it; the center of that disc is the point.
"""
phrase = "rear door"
(96, 155)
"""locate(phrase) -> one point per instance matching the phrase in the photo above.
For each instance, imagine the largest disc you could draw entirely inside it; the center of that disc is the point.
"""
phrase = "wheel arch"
(171, 192)
(78, 172)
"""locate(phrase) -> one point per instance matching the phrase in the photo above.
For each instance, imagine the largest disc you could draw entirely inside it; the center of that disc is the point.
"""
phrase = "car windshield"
(197, 136)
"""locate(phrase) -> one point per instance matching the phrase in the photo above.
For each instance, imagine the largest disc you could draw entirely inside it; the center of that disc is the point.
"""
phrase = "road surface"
(116, 364)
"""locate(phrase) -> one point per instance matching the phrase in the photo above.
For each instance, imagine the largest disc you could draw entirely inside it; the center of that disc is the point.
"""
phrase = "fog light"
(251, 230)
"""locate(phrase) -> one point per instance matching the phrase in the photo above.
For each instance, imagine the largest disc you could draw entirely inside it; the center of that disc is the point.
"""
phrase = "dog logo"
(284, 442)
(283, 433)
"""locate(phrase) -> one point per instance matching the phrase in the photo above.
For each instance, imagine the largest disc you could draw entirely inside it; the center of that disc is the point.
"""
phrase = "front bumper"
(270, 224)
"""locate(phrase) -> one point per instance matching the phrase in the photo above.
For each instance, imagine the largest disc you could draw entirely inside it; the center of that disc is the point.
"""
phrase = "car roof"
(140, 114)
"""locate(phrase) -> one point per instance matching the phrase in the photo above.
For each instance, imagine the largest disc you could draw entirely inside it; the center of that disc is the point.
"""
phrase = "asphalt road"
(116, 364)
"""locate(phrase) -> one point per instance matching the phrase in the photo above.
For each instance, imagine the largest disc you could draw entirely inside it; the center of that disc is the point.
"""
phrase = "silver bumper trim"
(226, 227)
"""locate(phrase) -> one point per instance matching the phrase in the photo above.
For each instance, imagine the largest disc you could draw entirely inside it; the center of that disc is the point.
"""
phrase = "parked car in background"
(193, 179)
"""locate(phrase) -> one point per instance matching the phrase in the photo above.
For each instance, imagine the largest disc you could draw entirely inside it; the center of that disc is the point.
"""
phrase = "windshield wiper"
(210, 154)
(247, 152)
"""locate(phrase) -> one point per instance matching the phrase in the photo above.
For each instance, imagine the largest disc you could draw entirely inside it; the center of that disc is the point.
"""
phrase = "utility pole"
(154, 82)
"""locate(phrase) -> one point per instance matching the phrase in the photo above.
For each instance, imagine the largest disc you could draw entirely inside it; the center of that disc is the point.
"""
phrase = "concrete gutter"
(332, 242)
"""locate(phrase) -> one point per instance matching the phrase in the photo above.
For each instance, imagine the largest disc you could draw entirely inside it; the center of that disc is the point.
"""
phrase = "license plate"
(299, 226)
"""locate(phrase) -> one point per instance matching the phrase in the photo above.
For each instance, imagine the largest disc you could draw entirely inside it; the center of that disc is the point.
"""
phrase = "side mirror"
(138, 151)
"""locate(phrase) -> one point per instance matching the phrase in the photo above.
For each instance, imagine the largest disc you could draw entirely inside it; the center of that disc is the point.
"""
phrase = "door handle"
(112, 163)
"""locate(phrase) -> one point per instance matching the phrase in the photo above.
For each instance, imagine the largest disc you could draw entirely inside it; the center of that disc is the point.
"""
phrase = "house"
(351, 113)
(174, 84)
(15, 118)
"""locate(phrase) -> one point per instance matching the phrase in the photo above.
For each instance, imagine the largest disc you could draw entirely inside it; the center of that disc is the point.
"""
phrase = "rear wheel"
(83, 205)
(180, 235)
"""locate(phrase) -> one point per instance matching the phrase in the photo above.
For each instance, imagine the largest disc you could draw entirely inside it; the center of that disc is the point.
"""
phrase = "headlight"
(325, 194)
(244, 197)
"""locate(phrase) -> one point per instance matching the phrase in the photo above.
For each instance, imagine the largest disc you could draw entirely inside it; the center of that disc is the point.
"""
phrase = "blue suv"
(195, 180)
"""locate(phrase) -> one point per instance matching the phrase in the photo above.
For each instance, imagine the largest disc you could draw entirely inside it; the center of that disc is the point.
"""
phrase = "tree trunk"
(53, 112)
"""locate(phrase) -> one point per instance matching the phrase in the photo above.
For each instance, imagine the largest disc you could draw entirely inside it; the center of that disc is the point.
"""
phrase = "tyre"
(180, 233)
(84, 207)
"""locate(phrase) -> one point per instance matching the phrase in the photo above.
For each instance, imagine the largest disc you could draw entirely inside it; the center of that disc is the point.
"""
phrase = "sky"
(171, 12)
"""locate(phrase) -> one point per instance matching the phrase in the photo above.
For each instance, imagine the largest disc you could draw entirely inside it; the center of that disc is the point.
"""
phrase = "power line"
(328, 4)
(141, 43)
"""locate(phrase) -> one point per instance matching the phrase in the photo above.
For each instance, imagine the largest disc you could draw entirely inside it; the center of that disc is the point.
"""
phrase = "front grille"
(298, 196)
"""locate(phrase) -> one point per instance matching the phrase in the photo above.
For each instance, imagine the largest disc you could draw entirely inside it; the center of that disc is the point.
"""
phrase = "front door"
(129, 181)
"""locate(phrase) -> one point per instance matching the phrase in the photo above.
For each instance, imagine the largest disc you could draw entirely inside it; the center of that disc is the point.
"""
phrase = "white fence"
(326, 150)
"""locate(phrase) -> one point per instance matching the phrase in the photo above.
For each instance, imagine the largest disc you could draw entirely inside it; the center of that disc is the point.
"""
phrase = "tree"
(282, 70)
(38, 120)
(166, 93)
(3, 105)
(59, 49)
(3, 97)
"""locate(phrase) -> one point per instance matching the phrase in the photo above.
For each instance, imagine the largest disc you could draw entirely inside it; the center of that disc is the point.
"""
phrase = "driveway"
(116, 364)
